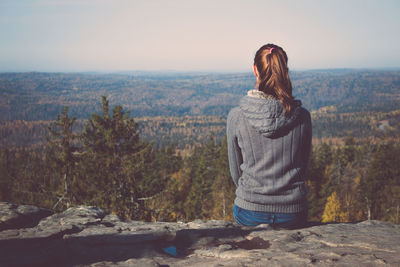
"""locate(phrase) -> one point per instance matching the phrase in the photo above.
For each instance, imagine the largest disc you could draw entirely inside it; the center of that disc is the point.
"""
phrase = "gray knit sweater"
(268, 154)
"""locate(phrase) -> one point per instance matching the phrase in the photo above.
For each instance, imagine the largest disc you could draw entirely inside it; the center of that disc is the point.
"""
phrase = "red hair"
(273, 74)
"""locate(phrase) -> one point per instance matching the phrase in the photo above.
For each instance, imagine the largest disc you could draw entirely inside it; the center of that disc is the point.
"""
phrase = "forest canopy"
(153, 148)
(34, 96)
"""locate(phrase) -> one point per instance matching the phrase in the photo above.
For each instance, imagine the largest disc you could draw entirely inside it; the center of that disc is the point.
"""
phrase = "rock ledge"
(87, 236)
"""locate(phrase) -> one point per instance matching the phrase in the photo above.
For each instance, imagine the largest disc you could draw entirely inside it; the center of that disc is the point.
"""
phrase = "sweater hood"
(267, 114)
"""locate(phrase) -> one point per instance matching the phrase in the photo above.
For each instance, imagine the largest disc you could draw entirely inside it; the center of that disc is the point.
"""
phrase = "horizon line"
(172, 71)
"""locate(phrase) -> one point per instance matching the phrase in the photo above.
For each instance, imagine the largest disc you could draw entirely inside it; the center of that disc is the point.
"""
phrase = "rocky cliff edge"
(87, 236)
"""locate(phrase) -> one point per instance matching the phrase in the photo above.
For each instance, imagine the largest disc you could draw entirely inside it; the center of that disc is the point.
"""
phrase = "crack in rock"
(361, 246)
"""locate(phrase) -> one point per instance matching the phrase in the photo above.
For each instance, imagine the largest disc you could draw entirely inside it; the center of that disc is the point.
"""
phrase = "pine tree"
(223, 188)
(381, 182)
(61, 156)
(5, 175)
(162, 166)
(202, 172)
(171, 203)
(318, 169)
(114, 159)
(349, 192)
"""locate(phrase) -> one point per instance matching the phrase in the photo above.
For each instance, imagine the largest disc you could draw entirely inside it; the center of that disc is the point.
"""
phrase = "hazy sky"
(202, 35)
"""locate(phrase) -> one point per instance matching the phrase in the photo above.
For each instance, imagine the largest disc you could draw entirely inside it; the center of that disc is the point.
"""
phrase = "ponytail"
(271, 63)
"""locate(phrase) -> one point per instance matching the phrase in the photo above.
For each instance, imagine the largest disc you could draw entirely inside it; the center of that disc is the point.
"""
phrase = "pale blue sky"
(202, 35)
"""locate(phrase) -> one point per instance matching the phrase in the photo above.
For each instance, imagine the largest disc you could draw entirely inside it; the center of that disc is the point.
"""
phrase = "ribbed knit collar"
(259, 94)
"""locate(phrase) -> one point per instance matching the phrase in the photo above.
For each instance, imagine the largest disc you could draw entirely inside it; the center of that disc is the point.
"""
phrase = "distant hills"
(185, 108)
(40, 96)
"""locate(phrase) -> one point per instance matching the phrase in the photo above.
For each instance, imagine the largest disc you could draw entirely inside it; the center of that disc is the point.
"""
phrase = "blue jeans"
(284, 220)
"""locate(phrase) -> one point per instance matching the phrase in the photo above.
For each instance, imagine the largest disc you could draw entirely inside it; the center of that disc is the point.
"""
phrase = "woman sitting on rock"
(269, 142)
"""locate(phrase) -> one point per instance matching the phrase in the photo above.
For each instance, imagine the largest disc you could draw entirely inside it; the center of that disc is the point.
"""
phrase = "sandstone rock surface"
(87, 236)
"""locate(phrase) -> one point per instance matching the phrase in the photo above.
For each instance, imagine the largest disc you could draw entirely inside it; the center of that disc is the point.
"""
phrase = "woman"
(269, 142)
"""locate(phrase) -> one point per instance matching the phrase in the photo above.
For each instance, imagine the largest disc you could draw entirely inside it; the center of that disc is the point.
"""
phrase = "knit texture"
(268, 154)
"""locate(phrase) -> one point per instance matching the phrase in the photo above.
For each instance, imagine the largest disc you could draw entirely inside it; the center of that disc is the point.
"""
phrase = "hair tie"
(270, 51)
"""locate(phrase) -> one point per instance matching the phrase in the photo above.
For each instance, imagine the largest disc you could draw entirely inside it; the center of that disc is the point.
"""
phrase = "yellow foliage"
(181, 180)
(357, 181)
(327, 109)
(173, 216)
(332, 211)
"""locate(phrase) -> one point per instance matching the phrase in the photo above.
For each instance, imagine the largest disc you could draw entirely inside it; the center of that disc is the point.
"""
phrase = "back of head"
(273, 74)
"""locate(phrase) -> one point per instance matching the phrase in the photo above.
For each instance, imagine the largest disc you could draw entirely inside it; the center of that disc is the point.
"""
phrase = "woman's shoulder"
(306, 114)
(233, 116)
(305, 118)
(234, 113)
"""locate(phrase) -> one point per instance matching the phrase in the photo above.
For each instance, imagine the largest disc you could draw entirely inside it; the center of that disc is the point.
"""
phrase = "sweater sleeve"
(234, 151)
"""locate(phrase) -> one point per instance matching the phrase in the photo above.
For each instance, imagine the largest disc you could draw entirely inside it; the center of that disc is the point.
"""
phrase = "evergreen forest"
(171, 166)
